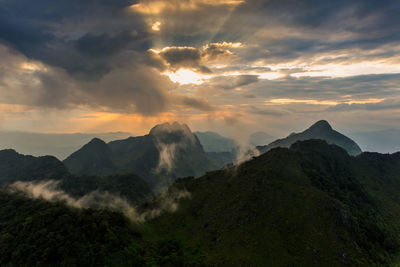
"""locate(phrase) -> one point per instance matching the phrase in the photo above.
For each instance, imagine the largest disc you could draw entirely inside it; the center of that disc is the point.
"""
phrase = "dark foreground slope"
(319, 130)
(310, 205)
(39, 233)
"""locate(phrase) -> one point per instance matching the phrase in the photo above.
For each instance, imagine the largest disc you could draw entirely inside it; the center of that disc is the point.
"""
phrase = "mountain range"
(311, 204)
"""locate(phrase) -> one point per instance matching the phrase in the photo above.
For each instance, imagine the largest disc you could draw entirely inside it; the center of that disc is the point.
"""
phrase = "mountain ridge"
(319, 130)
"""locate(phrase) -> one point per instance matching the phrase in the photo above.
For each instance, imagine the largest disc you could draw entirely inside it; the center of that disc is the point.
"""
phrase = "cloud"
(266, 111)
(82, 38)
(232, 82)
(193, 102)
(157, 7)
(197, 59)
(49, 190)
(390, 104)
(132, 87)
(183, 57)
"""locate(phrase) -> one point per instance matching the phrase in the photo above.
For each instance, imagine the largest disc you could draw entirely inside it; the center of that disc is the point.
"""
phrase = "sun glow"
(185, 76)
(156, 26)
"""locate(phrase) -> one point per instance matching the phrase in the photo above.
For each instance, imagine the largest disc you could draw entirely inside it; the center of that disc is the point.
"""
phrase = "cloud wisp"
(49, 191)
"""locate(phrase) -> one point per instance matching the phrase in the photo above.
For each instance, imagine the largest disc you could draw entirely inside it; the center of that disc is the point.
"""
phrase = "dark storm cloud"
(310, 27)
(78, 36)
(95, 54)
(131, 87)
(184, 57)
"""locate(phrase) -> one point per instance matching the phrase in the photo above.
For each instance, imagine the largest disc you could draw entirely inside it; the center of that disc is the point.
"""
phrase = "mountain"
(169, 151)
(310, 205)
(18, 167)
(320, 130)
(213, 142)
(58, 145)
(383, 141)
(260, 138)
(94, 158)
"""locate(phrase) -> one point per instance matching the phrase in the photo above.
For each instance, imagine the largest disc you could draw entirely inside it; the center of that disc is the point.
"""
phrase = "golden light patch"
(29, 66)
(156, 26)
(185, 76)
(348, 70)
(157, 7)
(287, 101)
(224, 45)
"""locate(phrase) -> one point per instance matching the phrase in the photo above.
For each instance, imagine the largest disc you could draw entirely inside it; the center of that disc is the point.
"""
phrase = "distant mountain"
(384, 141)
(167, 152)
(310, 205)
(213, 142)
(320, 130)
(58, 145)
(18, 167)
(260, 138)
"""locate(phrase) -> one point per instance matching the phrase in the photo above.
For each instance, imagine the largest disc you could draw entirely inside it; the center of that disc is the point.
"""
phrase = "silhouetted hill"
(60, 145)
(320, 130)
(94, 158)
(18, 167)
(167, 152)
(310, 205)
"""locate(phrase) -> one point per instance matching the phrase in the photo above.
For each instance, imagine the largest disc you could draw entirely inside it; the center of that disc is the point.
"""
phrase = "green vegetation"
(39, 233)
(309, 205)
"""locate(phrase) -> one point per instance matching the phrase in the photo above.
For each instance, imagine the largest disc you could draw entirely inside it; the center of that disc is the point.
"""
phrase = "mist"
(50, 191)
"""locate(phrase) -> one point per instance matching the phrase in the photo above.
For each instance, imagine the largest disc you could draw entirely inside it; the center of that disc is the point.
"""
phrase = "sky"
(231, 66)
